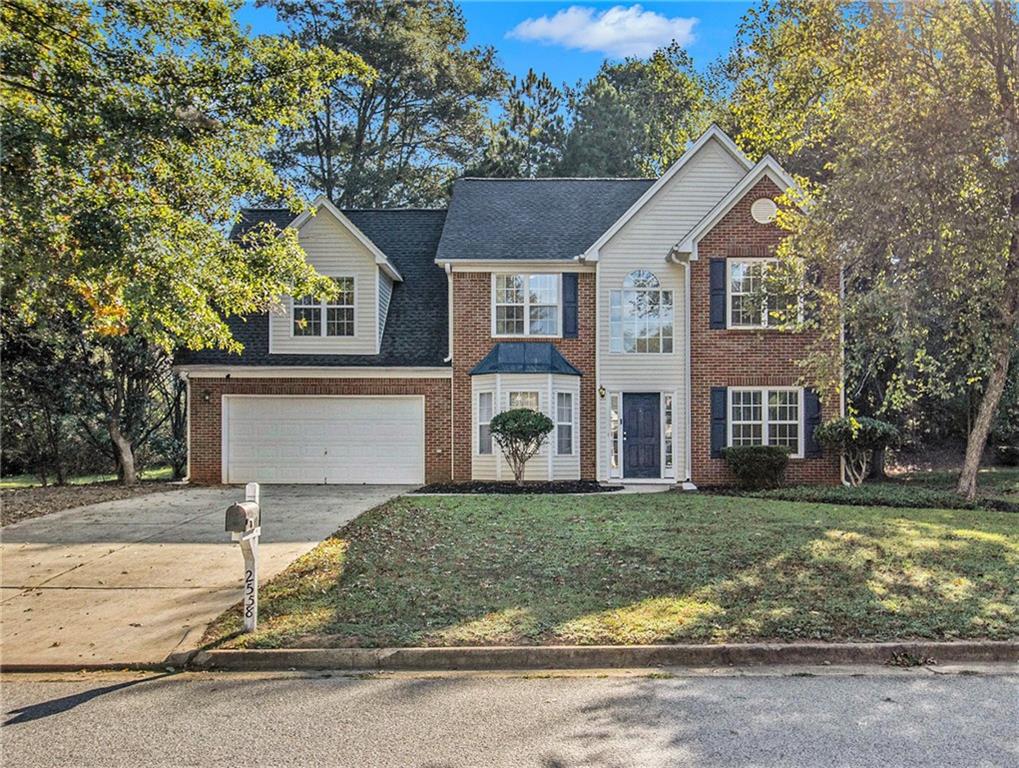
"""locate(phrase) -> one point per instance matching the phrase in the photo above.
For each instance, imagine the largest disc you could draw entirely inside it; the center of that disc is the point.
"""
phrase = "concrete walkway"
(134, 580)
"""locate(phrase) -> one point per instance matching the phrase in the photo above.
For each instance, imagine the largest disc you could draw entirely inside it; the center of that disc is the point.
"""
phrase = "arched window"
(641, 315)
(641, 279)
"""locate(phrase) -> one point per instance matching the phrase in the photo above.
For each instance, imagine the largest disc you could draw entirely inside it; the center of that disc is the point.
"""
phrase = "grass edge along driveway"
(656, 568)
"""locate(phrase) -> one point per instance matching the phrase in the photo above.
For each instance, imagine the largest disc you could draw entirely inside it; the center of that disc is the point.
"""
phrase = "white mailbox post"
(244, 524)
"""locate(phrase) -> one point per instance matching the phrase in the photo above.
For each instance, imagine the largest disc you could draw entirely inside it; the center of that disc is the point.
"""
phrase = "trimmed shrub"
(520, 433)
(757, 466)
(856, 439)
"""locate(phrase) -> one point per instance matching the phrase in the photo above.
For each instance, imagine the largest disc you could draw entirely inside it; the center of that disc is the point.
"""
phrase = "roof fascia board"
(504, 265)
(324, 202)
(767, 167)
(313, 372)
(714, 132)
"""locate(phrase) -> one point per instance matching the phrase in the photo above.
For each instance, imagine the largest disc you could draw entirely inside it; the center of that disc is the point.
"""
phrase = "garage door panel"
(324, 439)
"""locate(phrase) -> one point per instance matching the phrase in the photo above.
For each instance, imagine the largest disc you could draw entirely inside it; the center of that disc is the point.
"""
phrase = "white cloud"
(619, 31)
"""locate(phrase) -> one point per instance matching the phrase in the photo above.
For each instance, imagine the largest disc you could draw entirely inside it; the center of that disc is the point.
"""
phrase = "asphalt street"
(815, 718)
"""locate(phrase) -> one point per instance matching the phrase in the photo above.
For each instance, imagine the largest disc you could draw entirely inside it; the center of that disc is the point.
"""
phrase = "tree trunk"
(977, 440)
(124, 453)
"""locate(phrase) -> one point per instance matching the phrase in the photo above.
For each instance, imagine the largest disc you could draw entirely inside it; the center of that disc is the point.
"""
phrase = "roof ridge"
(408, 209)
(558, 178)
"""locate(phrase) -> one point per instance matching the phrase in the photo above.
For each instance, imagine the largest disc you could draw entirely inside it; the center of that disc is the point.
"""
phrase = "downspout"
(449, 357)
(689, 377)
(449, 312)
(187, 439)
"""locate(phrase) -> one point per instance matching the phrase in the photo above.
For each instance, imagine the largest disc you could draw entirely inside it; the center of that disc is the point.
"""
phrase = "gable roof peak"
(713, 133)
(322, 201)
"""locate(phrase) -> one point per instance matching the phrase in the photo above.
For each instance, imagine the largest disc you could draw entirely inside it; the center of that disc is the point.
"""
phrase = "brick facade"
(752, 358)
(472, 340)
(206, 415)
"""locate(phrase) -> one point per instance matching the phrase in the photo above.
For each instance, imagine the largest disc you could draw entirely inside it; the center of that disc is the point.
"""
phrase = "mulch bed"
(23, 503)
(484, 486)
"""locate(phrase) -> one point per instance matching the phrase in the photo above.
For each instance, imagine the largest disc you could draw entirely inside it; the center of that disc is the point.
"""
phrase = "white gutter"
(449, 311)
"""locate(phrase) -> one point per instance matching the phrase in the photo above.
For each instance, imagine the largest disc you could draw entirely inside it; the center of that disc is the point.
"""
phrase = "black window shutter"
(717, 307)
(811, 421)
(570, 305)
(719, 420)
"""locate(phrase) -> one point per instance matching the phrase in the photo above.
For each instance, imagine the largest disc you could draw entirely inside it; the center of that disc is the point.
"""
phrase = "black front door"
(642, 445)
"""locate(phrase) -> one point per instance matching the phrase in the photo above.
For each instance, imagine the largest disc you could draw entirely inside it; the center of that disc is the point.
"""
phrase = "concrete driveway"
(134, 580)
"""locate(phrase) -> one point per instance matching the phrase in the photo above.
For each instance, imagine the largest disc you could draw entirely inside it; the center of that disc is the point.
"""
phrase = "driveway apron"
(134, 580)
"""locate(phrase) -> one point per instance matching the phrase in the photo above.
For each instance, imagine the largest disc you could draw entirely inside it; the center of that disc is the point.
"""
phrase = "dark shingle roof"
(416, 326)
(524, 357)
(252, 216)
(533, 218)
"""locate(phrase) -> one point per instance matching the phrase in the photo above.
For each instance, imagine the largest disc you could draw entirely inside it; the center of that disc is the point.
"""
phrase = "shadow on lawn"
(449, 573)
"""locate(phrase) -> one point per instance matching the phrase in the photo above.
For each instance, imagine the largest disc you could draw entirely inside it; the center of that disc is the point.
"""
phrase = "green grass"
(31, 481)
(998, 490)
(643, 569)
(992, 482)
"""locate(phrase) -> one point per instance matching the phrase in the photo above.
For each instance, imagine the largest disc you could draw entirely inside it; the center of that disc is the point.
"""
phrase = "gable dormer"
(354, 321)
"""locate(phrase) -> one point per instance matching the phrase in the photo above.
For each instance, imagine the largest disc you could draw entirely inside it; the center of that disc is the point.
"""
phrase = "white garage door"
(323, 439)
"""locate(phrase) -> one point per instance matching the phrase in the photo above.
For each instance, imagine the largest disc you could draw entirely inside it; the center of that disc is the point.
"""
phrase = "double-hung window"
(526, 305)
(523, 400)
(485, 401)
(753, 301)
(338, 313)
(641, 316)
(564, 423)
(765, 417)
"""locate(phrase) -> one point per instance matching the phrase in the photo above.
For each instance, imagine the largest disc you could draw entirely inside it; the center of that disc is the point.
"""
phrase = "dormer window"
(641, 316)
(338, 313)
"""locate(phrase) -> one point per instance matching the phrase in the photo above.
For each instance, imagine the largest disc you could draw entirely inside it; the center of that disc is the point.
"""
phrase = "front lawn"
(658, 568)
(998, 490)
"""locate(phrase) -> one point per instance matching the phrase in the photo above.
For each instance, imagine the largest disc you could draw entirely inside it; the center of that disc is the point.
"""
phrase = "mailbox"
(244, 524)
(242, 517)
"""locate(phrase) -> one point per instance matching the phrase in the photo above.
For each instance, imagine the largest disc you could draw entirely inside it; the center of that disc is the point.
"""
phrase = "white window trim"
(764, 414)
(765, 326)
(527, 307)
(323, 306)
(572, 423)
(668, 443)
(478, 423)
(615, 440)
(660, 290)
(511, 392)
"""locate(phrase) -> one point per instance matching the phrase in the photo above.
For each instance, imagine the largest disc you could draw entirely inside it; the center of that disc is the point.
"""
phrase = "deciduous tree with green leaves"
(131, 130)
(907, 115)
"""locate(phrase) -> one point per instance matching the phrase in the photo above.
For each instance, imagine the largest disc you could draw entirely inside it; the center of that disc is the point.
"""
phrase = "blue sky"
(569, 40)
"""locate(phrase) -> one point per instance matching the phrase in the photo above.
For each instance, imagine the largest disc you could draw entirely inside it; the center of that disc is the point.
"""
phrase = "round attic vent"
(763, 210)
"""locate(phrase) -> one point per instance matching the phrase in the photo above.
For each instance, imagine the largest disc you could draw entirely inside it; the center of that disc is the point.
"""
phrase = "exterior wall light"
(601, 392)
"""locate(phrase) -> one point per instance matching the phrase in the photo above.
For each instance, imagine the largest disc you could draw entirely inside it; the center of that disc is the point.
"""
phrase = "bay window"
(564, 423)
(485, 401)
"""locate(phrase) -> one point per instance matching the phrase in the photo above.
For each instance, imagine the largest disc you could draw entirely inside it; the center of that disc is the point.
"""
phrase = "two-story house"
(627, 310)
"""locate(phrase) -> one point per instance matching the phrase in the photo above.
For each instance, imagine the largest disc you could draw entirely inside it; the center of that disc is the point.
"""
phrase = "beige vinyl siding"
(494, 466)
(385, 294)
(644, 242)
(333, 251)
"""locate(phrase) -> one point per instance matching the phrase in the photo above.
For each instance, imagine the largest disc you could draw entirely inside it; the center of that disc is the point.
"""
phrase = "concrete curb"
(602, 656)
